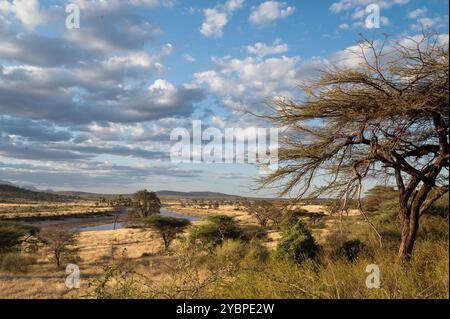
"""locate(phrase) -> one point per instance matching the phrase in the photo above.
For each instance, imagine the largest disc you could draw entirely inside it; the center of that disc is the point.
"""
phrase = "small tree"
(264, 211)
(296, 242)
(145, 204)
(60, 242)
(215, 231)
(167, 227)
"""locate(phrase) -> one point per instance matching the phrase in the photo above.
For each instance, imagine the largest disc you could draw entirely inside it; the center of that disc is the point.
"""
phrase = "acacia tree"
(264, 211)
(386, 118)
(145, 204)
(167, 227)
(60, 242)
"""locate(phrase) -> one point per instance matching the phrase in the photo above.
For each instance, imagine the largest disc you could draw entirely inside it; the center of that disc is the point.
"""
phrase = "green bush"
(351, 249)
(217, 229)
(16, 262)
(296, 241)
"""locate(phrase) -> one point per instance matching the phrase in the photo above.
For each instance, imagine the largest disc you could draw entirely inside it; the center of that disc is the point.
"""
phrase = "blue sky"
(93, 108)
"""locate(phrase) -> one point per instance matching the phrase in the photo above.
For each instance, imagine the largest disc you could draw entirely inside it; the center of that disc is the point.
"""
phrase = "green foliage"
(11, 234)
(297, 242)
(252, 232)
(145, 204)
(16, 262)
(440, 207)
(118, 201)
(425, 276)
(264, 211)
(351, 249)
(215, 231)
(167, 227)
(378, 195)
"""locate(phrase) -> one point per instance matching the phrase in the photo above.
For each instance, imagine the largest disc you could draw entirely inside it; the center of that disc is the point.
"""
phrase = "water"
(102, 227)
(167, 213)
(119, 225)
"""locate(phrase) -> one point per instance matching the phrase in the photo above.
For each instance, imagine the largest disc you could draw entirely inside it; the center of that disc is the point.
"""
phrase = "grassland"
(140, 252)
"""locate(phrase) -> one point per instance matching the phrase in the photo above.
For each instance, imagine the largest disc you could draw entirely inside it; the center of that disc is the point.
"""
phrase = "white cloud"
(217, 120)
(269, 12)
(164, 92)
(242, 82)
(5, 7)
(346, 5)
(215, 21)
(421, 12)
(28, 12)
(217, 18)
(428, 23)
(261, 49)
(189, 58)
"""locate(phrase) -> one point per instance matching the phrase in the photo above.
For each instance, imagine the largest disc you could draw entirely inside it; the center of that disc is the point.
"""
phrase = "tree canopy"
(383, 118)
(145, 204)
(167, 227)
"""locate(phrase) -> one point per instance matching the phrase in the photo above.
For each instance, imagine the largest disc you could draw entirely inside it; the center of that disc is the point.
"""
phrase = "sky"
(91, 107)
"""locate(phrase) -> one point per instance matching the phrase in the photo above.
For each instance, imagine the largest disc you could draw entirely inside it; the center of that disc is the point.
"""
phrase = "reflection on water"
(178, 215)
(119, 225)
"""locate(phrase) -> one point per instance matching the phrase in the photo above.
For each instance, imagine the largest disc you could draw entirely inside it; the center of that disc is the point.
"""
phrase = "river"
(119, 225)
(102, 223)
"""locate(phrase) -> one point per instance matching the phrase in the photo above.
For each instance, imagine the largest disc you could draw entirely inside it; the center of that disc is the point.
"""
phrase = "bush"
(217, 229)
(16, 262)
(296, 241)
(252, 232)
(12, 233)
(351, 249)
(424, 277)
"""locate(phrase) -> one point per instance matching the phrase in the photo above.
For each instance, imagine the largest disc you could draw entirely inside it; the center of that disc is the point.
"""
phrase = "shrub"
(351, 249)
(296, 241)
(16, 262)
(217, 229)
(12, 233)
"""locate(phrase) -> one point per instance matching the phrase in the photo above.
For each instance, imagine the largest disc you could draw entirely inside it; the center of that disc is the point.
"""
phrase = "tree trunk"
(410, 222)
(408, 238)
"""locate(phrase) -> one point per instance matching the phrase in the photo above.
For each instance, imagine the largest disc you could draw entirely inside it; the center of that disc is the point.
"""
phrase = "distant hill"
(13, 194)
(6, 183)
(199, 195)
(162, 194)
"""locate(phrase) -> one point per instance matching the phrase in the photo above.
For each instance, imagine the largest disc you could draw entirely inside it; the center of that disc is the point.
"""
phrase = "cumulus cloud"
(217, 18)
(261, 49)
(359, 10)
(358, 5)
(270, 11)
(28, 12)
(248, 82)
(418, 13)
(425, 22)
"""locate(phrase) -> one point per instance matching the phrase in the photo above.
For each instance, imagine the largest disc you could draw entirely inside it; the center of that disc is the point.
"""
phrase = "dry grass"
(142, 249)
